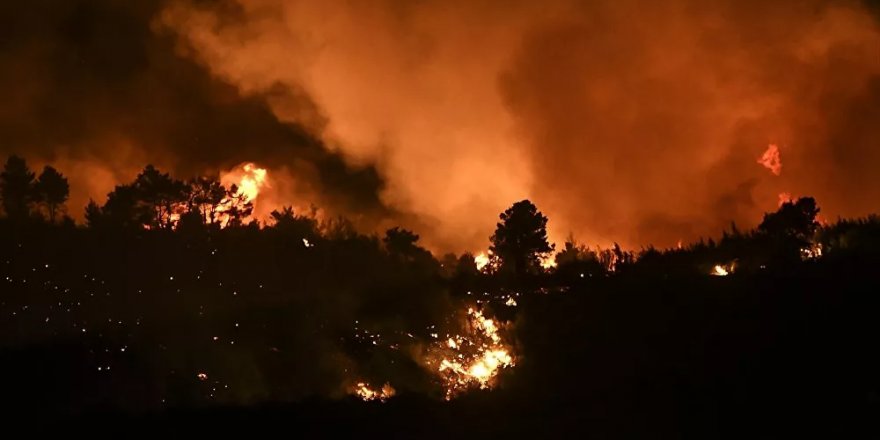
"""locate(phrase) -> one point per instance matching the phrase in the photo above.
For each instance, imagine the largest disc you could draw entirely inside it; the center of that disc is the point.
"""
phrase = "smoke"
(92, 88)
(623, 121)
(626, 121)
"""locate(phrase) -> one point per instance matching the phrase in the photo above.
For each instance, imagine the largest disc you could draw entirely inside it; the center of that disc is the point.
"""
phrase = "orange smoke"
(622, 120)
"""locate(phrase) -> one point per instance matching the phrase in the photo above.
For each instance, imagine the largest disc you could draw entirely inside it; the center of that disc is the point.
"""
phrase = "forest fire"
(472, 360)
(368, 393)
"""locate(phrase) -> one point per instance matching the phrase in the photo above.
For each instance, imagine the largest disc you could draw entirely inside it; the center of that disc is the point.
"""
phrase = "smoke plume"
(626, 121)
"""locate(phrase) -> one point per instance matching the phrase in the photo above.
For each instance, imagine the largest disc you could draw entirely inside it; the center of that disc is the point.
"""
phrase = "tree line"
(155, 200)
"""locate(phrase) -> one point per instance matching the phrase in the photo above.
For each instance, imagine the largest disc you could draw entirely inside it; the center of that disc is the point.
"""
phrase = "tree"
(51, 191)
(236, 207)
(294, 225)
(208, 196)
(120, 211)
(401, 242)
(520, 239)
(15, 188)
(792, 220)
(161, 197)
(94, 216)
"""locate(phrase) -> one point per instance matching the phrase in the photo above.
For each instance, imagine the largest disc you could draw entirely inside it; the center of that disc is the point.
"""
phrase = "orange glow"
(771, 160)
(785, 197)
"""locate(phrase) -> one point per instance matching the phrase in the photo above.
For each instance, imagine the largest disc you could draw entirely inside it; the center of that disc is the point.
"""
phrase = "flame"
(482, 259)
(367, 393)
(722, 270)
(472, 360)
(811, 252)
(771, 160)
(548, 262)
(249, 179)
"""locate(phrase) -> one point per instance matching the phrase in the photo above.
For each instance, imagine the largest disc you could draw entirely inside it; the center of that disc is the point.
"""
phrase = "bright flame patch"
(368, 393)
(471, 360)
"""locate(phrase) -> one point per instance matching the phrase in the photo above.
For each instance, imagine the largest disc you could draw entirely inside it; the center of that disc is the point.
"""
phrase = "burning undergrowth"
(467, 351)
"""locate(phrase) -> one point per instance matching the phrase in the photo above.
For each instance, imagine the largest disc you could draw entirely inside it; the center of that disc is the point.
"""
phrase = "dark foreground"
(759, 356)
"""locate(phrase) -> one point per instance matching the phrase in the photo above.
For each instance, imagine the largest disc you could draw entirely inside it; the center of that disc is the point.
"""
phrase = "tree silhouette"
(15, 188)
(399, 241)
(208, 197)
(236, 207)
(520, 239)
(792, 220)
(51, 191)
(297, 226)
(121, 211)
(162, 198)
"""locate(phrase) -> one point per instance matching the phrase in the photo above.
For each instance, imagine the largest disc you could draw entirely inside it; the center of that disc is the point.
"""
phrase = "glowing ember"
(472, 360)
(202, 376)
(367, 393)
(811, 252)
(510, 302)
(771, 160)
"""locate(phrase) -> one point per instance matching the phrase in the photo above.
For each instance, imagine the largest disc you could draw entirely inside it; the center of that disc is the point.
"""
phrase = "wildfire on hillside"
(472, 359)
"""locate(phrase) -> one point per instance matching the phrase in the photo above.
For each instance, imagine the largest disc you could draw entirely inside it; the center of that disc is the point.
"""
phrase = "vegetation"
(169, 298)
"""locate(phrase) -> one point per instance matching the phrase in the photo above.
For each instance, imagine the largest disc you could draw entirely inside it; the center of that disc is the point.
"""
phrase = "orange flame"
(250, 181)
(482, 260)
(367, 393)
(472, 360)
(771, 160)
